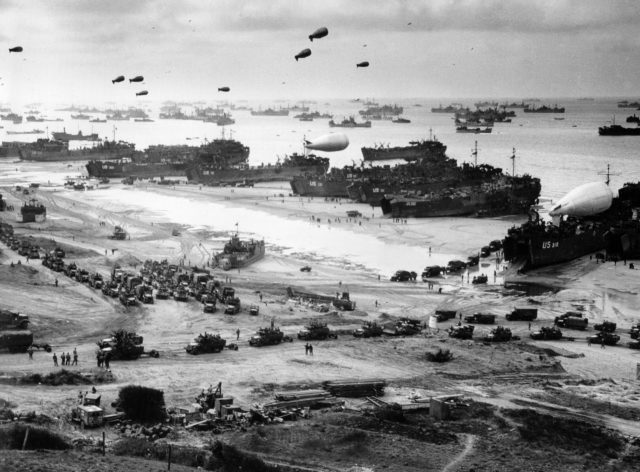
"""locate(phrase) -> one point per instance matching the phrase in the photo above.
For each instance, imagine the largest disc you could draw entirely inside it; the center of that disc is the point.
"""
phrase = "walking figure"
(306, 349)
(529, 325)
(30, 352)
(55, 360)
(237, 334)
(588, 341)
(56, 282)
(68, 359)
(107, 358)
(602, 344)
(75, 358)
(310, 350)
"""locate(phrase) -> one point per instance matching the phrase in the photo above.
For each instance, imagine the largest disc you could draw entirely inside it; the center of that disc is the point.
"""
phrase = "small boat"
(400, 120)
(464, 129)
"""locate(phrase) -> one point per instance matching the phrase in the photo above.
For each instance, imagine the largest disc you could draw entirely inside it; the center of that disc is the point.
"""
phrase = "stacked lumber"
(301, 398)
(299, 394)
(356, 388)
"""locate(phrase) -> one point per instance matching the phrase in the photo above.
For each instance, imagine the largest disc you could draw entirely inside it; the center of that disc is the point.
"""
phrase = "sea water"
(562, 153)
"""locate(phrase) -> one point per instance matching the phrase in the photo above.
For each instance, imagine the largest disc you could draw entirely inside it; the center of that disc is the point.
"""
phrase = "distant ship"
(486, 104)
(612, 226)
(34, 119)
(270, 112)
(400, 120)
(64, 136)
(80, 116)
(16, 119)
(33, 131)
(465, 129)
(51, 151)
(224, 120)
(633, 119)
(292, 166)
(384, 112)
(349, 123)
(514, 105)
(617, 130)
(238, 253)
(33, 211)
(448, 109)
(98, 120)
(544, 109)
(415, 150)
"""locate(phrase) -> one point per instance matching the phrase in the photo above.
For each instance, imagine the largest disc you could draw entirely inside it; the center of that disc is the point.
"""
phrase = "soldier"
(55, 360)
(56, 282)
(107, 358)
(306, 349)
(68, 359)
(310, 350)
(99, 359)
(237, 334)
(30, 352)
(75, 358)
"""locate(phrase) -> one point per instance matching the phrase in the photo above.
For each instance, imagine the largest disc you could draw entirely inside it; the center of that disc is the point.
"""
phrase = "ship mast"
(513, 163)
(608, 174)
(114, 133)
(474, 153)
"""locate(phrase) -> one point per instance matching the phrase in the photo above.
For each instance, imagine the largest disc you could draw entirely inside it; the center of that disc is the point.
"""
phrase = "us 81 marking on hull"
(550, 244)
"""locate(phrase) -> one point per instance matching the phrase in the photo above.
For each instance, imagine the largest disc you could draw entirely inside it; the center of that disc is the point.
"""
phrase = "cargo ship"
(292, 166)
(384, 112)
(46, 150)
(270, 112)
(617, 130)
(64, 136)
(12, 148)
(543, 109)
(238, 253)
(454, 107)
(33, 211)
(414, 151)
(593, 220)
(349, 123)
(503, 195)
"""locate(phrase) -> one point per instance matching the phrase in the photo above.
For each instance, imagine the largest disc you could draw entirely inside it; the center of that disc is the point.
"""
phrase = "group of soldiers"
(65, 358)
(103, 359)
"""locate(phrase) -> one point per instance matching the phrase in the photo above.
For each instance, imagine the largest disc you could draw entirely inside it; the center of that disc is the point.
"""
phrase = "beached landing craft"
(590, 220)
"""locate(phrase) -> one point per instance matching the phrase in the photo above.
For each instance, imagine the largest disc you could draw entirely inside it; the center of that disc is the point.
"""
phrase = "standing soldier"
(237, 334)
(30, 352)
(75, 357)
(68, 359)
(107, 358)
(310, 350)
(55, 360)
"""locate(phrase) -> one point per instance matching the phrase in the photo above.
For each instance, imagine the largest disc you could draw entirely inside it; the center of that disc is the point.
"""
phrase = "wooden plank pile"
(356, 388)
(302, 398)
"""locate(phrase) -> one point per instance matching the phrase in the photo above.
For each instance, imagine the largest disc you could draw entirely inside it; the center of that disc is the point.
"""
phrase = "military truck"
(163, 293)
(461, 332)
(431, 271)
(82, 275)
(480, 318)
(603, 337)
(12, 320)
(144, 293)
(404, 276)
(209, 304)
(118, 233)
(634, 332)
(370, 329)
(406, 327)
(606, 326)
(232, 308)
(206, 343)
(522, 314)
(316, 330)
(498, 334)
(254, 310)
(16, 340)
(88, 413)
(127, 298)
(123, 345)
(571, 321)
(96, 281)
(444, 315)
(268, 336)
(71, 269)
(547, 333)
(180, 294)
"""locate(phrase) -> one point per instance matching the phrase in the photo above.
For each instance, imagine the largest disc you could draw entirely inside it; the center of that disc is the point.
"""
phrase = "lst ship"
(238, 253)
(46, 150)
(414, 151)
(615, 230)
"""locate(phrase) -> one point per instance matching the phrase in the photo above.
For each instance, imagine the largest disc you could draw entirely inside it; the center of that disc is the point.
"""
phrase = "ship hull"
(270, 173)
(121, 170)
(309, 187)
(66, 155)
(408, 153)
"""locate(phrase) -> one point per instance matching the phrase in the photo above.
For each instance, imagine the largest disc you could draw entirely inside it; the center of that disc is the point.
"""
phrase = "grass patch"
(567, 433)
(142, 404)
(67, 377)
(441, 355)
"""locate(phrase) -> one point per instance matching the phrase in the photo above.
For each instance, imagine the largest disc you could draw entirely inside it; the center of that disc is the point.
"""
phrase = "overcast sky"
(429, 48)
